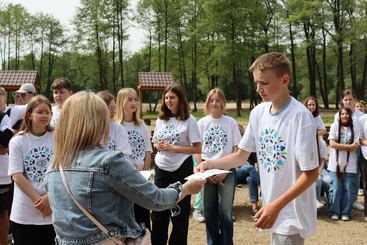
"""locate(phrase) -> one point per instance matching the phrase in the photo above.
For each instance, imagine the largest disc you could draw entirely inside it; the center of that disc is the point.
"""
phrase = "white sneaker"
(358, 206)
(334, 217)
(319, 204)
(365, 219)
(360, 192)
(345, 218)
(198, 216)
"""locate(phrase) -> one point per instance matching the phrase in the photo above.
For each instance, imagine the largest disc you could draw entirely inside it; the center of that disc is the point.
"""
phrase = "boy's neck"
(276, 105)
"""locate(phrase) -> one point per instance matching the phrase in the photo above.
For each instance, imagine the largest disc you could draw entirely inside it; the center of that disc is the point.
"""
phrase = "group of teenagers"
(90, 148)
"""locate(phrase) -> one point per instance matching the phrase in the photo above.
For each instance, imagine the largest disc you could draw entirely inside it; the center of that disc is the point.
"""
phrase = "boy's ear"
(286, 79)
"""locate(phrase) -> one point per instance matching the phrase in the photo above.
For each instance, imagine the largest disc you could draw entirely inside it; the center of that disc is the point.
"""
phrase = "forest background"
(204, 43)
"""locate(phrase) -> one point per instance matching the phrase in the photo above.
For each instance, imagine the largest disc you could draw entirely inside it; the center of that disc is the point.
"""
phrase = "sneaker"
(319, 204)
(198, 216)
(345, 218)
(365, 218)
(358, 206)
(233, 218)
(360, 192)
(334, 217)
(253, 213)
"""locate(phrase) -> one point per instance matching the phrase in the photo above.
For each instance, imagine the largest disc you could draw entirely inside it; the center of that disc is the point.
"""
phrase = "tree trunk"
(293, 58)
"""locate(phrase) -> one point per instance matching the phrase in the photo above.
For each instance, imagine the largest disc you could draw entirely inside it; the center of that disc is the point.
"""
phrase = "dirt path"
(328, 232)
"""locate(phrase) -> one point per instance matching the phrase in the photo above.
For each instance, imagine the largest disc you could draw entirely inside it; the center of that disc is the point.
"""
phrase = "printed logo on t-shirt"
(111, 143)
(272, 152)
(137, 143)
(215, 138)
(169, 133)
(54, 122)
(346, 137)
(36, 162)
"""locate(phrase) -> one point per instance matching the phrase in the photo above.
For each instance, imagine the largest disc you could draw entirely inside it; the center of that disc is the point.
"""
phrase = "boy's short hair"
(3, 92)
(60, 83)
(275, 61)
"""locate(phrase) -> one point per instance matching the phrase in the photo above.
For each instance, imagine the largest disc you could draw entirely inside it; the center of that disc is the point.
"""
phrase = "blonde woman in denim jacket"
(103, 181)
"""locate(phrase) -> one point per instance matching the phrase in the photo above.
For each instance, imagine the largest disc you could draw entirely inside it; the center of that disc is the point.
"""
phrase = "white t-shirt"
(176, 132)
(117, 139)
(345, 138)
(4, 159)
(219, 136)
(285, 143)
(139, 142)
(55, 116)
(323, 147)
(30, 155)
(363, 122)
(17, 113)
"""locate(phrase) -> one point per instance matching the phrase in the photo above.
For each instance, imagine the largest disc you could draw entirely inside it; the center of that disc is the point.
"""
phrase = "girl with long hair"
(127, 114)
(29, 156)
(344, 142)
(177, 137)
(220, 136)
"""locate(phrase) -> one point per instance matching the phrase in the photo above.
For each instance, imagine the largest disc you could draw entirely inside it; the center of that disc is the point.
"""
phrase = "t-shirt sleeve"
(122, 143)
(248, 141)
(319, 123)
(156, 129)
(193, 131)
(236, 134)
(17, 113)
(148, 144)
(357, 133)
(16, 158)
(306, 145)
(333, 134)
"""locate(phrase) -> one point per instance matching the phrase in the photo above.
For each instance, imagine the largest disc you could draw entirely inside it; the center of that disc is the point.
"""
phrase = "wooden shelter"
(11, 80)
(153, 81)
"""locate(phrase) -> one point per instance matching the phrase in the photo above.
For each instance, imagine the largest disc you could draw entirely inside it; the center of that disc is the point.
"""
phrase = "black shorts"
(6, 197)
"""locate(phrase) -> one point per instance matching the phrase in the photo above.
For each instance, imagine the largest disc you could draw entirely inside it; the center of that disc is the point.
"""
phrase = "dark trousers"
(363, 165)
(160, 220)
(33, 234)
(142, 215)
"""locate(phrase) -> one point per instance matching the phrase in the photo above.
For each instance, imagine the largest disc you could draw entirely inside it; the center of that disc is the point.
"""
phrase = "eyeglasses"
(24, 95)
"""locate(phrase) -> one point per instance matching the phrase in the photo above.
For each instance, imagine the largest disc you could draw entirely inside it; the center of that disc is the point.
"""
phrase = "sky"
(64, 11)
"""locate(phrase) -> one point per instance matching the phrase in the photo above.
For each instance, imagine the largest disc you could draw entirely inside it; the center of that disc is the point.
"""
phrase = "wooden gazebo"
(153, 81)
(11, 80)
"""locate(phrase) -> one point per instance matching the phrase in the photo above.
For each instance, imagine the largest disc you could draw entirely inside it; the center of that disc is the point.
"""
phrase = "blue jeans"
(323, 186)
(341, 194)
(218, 201)
(248, 174)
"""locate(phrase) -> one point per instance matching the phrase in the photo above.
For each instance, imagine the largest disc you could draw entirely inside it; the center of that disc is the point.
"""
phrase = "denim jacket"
(107, 185)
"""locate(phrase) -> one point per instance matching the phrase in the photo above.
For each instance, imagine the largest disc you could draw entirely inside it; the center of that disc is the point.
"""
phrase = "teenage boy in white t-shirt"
(282, 132)
(61, 90)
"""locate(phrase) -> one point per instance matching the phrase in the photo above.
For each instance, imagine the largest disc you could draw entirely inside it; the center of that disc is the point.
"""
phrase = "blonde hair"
(33, 103)
(221, 96)
(84, 123)
(121, 101)
(3, 92)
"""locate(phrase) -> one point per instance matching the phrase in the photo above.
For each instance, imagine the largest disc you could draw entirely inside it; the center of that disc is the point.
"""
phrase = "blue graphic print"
(111, 143)
(169, 134)
(272, 152)
(215, 139)
(137, 143)
(36, 163)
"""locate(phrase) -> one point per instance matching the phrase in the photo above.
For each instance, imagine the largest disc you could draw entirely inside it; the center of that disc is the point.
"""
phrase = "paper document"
(207, 174)
(146, 173)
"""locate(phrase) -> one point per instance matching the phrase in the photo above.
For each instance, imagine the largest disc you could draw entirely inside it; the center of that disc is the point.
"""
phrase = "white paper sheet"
(146, 173)
(207, 174)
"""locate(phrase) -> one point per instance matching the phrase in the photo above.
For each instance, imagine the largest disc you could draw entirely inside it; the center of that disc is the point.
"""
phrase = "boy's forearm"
(230, 161)
(305, 180)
